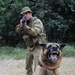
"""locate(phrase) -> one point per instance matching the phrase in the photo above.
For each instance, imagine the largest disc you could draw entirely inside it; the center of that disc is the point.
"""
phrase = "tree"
(58, 18)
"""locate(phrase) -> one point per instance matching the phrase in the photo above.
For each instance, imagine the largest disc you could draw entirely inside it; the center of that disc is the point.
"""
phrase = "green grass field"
(69, 51)
(20, 53)
(11, 52)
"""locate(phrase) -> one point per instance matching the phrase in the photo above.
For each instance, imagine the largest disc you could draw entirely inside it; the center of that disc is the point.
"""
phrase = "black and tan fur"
(50, 59)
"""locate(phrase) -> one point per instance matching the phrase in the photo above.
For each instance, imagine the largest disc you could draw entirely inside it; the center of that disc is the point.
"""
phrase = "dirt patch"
(12, 67)
(68, 66)
(17, 67)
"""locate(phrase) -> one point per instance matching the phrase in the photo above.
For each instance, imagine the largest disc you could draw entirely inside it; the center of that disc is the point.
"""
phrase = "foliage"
(11, 11)
(57, 16)
(7, 52)
(12, 52)
(69, 51)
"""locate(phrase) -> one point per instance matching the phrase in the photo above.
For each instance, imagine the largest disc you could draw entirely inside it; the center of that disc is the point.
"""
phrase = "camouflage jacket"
(35, 34)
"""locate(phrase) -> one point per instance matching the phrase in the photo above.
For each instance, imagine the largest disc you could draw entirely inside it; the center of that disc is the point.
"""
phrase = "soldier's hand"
(22, 24)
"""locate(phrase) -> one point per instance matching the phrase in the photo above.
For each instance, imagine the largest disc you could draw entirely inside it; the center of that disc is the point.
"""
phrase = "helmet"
(25, 9)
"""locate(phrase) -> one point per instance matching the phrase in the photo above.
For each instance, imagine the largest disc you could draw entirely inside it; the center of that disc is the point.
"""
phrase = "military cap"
(25, 9)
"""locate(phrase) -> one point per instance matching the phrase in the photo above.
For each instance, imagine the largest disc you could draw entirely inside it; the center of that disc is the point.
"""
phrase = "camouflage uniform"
(32, 37)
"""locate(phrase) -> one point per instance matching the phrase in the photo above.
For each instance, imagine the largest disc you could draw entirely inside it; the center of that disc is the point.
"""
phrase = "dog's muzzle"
(53, 54)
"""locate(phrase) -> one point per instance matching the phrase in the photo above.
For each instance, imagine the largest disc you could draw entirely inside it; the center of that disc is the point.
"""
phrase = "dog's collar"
(39, 63)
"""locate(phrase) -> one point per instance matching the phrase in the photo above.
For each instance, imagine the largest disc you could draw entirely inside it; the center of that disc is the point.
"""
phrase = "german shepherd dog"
(50, 59)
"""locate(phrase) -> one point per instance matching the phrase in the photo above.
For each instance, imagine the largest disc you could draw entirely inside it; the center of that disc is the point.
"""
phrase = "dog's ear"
(62, 46)
(43, 45)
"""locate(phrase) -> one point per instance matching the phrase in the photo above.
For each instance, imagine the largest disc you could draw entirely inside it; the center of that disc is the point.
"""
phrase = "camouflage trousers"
(32, 60)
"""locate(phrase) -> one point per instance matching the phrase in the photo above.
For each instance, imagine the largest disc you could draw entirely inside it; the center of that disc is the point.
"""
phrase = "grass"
(69, 51)
(20, 53)
(11, 52)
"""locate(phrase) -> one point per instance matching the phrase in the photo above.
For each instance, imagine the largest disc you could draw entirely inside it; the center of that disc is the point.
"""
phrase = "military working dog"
(50, 59)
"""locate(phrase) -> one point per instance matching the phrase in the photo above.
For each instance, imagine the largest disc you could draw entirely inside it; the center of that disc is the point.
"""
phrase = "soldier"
(33, 35)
